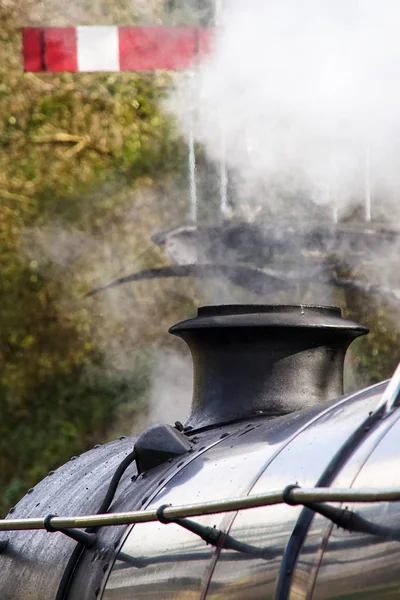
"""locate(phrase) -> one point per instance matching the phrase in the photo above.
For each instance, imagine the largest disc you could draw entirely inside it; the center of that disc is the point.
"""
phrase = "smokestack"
(264, 360)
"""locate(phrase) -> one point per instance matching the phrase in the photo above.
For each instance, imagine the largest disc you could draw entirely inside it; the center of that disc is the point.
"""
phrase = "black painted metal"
(158, 444)
(306, 516)
(270, 360)
(78, 552)
(34, 562)
(351, 521)
(87, 540)
(37, 564)
(133, 494)
(215, 537)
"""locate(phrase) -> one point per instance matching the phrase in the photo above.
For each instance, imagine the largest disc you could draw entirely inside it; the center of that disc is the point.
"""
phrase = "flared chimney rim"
(269, 316)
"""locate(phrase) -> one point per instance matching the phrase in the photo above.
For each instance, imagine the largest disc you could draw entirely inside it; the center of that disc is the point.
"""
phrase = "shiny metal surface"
(354, 566)
(392, 393)
(171, 563)
(224, 470)
(34, 563)
(308, 562)
(302, 461)
(137, 495)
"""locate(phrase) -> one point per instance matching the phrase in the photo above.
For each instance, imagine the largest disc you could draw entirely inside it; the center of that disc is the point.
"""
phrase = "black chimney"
(252, 360)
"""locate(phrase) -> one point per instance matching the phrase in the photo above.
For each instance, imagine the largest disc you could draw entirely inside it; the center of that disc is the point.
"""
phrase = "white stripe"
(98, 48)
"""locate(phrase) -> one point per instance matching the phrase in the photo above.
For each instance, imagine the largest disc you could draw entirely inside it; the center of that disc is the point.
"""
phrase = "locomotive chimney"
(251, 360)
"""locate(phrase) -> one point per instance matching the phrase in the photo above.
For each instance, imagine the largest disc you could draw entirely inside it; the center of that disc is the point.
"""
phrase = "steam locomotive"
(268, 413)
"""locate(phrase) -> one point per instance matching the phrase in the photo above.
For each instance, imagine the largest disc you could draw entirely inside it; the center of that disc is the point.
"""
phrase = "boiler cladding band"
(294, 494)
(391, 395)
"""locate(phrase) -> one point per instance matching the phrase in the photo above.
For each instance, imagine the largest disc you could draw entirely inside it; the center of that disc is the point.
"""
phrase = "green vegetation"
(83, 164)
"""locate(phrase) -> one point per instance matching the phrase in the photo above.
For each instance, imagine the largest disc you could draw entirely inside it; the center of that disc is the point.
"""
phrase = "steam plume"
(307, 97)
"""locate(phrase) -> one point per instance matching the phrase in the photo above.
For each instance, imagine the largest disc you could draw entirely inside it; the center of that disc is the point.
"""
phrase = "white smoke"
(171, 389)
(307, 98)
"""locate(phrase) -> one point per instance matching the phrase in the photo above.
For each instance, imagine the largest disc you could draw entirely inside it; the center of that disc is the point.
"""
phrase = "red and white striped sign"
(90, 48)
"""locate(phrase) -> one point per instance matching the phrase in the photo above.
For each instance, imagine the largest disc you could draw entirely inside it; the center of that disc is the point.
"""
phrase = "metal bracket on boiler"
(216, 537)
(351, 521)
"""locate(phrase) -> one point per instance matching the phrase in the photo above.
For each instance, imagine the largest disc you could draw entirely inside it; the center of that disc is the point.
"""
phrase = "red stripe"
(60, 49)
(33, 48)
(151, 48)
(141, 48)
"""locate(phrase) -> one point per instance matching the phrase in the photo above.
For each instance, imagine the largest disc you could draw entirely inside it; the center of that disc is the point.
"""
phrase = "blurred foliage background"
(90, 167)
(85, 163)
